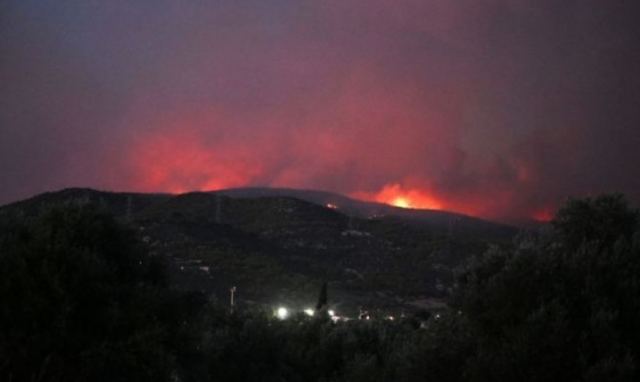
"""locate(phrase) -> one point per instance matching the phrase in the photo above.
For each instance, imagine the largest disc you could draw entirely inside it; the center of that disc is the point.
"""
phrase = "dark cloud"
(495, 108)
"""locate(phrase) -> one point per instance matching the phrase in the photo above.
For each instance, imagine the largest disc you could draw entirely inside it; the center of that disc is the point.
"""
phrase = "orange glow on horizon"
(182, 160)
(395, 195)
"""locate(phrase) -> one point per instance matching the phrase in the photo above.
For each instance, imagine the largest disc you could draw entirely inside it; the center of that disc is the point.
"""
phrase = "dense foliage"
(82, 300)
(562, 306)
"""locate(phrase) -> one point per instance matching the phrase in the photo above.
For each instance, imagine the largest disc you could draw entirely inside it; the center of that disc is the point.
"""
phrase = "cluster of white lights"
(283, 313)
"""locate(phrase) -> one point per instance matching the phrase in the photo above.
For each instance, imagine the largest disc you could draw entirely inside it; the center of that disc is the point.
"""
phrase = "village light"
(331, 312)
(282, 313)
(309, 312)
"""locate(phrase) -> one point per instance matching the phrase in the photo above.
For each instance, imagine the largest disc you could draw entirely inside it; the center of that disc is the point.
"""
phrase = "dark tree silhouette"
(602, 220)
(81, 301)
(322, 297)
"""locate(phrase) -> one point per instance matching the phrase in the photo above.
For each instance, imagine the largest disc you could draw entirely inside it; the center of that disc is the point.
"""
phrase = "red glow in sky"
(181, 158)
(419, 104)
(178, 161)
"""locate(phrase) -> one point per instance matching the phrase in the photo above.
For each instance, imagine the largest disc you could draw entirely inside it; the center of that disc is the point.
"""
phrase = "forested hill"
(86, 296)
(279, 245)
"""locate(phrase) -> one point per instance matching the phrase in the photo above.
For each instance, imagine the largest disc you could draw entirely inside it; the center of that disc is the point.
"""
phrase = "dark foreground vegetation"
(81, 300)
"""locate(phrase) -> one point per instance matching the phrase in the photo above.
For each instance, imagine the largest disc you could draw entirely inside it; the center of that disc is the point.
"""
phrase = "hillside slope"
(279, 245)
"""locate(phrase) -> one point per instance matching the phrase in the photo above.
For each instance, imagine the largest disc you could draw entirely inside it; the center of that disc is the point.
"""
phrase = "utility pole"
(452, 224)
(232, 294)
(129, 207)
(218, 208)
(322, 298)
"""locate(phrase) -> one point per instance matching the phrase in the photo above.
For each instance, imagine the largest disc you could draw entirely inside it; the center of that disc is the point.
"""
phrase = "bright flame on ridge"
(401, 202)
(396, 195)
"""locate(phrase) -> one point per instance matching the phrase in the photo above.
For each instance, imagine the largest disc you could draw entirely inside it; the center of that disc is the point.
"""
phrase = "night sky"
(494, 108)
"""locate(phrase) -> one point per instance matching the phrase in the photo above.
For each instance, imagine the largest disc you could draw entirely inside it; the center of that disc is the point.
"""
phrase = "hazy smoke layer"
(495, 108)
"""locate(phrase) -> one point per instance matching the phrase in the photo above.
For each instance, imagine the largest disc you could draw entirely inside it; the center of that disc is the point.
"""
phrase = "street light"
(282, 313)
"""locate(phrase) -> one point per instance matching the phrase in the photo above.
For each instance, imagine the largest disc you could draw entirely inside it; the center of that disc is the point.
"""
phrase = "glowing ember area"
(396, 195)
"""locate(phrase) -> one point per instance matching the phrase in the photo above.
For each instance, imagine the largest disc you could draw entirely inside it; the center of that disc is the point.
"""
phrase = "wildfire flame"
(395, 195)
(401, 202)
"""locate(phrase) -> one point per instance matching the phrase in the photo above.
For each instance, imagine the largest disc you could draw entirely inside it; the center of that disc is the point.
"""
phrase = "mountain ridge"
(345, 203)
